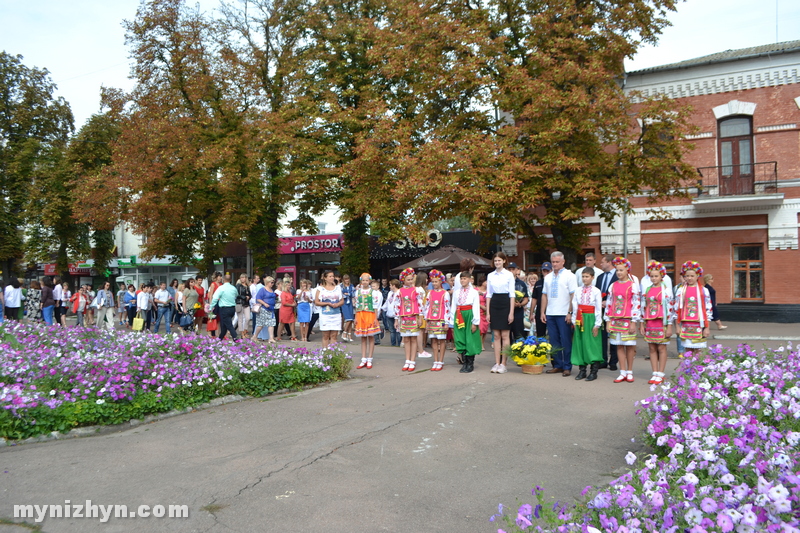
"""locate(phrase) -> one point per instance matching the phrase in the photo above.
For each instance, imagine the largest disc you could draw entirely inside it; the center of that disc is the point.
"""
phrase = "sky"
(82, 42)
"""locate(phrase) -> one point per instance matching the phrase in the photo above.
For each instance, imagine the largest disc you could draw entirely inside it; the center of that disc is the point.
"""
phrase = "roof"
(729, 55)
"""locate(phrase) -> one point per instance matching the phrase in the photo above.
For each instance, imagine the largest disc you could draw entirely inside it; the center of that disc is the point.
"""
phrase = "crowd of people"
(590, 317)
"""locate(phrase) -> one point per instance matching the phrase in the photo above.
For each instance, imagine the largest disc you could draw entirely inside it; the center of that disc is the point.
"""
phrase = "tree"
(34, 127)
(185, 156)
(565, 144)
(97, 201)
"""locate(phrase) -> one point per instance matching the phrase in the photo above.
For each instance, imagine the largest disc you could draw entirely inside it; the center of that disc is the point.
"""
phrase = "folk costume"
(623, 307)
(348, 310)
(693, 309)
(658, 309)
(366, 304)
(587, 348)
(437, 314)
(408, 306)
(465, 311)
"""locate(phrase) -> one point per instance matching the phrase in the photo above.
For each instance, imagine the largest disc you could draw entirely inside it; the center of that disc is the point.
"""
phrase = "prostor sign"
(311, 244)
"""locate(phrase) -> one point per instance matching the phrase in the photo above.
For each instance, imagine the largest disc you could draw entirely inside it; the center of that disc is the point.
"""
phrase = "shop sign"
(310, 244)
(75, 269)
(432, 240)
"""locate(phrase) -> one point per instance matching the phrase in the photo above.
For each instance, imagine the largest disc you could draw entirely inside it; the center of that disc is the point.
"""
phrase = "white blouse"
(500, 283)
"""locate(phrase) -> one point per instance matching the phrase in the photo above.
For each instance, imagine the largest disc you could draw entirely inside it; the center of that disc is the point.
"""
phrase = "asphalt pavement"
(384, 451)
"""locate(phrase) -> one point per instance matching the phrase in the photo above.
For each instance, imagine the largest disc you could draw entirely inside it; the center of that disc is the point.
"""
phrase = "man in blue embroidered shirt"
(559, 285)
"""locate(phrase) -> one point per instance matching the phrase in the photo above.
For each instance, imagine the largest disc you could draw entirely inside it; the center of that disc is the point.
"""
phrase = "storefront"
(158, 269)
(82, 272)
(305, 257)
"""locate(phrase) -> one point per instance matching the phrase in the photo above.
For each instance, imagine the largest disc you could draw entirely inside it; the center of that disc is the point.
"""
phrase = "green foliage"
(355, 253)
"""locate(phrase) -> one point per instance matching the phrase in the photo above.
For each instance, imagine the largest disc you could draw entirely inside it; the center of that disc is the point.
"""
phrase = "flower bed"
(725, 439)
(56, 379)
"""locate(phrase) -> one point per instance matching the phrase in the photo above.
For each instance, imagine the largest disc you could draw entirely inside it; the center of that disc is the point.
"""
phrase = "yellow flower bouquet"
(530, 352)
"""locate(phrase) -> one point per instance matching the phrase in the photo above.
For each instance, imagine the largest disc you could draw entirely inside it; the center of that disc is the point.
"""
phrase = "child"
(587, 347)
(304, 308)
(693, 308)
(437, 317)
(388, 309)
(422, 341)
(484, 324)
(658, 315)
(407, 316)
(347, 308)
(366, 302)
(465, 317)
(622, 313)
(376, 286)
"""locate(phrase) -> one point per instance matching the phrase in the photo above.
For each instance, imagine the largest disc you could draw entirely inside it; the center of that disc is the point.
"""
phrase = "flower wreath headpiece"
(435, 274)
(621, 261)
(692, 265)
(655, 265)
(407, 272)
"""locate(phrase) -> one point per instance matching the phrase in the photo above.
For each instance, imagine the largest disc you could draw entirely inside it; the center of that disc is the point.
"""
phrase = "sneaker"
(494, 369)
(424, 355)
(501, 369)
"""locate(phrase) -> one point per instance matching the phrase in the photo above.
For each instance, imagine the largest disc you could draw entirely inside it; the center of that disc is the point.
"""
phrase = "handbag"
(256, 308)
(138, 322)
(212, 324)
(185, 321)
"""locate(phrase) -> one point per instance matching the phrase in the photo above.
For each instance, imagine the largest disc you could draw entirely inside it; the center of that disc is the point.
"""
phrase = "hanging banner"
(307, 244)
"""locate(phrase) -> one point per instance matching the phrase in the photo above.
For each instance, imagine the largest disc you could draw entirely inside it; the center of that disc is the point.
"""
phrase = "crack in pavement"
(366, 436)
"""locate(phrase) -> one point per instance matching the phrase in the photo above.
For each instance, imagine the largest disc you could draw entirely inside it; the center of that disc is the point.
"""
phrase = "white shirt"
(559, 289)
(388, 305)
(468, 296)
(500, 283)
(143, 301)
(592, 297)
(13, 296)
(58, 293)
(162, 296)
(253, 291)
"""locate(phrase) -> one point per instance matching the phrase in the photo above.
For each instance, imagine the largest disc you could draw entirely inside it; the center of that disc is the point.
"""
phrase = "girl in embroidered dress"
(366, 303)
(622, 313)
(465, 319)
(408, 318)
(693, 308)
(587, 347)
(437, 318)
(658, 315)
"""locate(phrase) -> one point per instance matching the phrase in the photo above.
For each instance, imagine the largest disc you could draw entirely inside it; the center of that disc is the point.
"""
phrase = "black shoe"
(603, 365)
(613, 368)
(581, 373)
(469, 364)
(463, 360)
(592, 372)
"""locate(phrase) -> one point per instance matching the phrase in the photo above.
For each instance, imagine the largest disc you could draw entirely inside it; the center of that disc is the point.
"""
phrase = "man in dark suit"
(603, 282)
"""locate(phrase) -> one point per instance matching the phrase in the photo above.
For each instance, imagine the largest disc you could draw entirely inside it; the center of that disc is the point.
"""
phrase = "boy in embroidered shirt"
(465, 317)
(587, 348)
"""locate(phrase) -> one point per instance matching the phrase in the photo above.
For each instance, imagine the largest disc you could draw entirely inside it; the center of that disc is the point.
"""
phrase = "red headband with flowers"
(621, 261)
(655, 265)
(692, 265)
(435, 274)
(407, 272)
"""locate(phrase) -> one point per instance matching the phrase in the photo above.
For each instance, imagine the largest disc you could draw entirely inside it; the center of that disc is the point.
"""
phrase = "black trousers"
(314, 318)
(226, 322)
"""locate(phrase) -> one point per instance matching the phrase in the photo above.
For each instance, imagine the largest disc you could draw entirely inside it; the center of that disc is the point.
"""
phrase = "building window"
(748, 273)
(665, 256)
(321, 227)
(736, 156)
(534, 260)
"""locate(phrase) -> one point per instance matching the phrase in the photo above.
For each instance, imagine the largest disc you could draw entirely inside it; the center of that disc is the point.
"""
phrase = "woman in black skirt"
(500, 312)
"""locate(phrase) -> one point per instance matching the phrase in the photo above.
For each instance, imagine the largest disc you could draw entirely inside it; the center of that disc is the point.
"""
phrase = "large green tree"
(34, 128)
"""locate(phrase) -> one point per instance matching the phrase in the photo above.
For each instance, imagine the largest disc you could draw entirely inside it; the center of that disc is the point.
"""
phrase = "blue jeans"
(163, 312)
(47, 315)
(394, 335)
(560, 335)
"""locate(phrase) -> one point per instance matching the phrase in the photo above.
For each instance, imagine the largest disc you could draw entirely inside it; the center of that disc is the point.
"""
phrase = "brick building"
(741, 222)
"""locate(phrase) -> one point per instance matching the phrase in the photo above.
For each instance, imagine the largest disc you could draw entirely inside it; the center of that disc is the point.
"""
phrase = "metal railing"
(736, 180)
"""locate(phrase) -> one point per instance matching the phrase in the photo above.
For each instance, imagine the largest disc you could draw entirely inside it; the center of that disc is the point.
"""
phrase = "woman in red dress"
(287, 310)
(200, 313)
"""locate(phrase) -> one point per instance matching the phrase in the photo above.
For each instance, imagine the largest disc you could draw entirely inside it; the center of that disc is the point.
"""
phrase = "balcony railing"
(736, 180)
